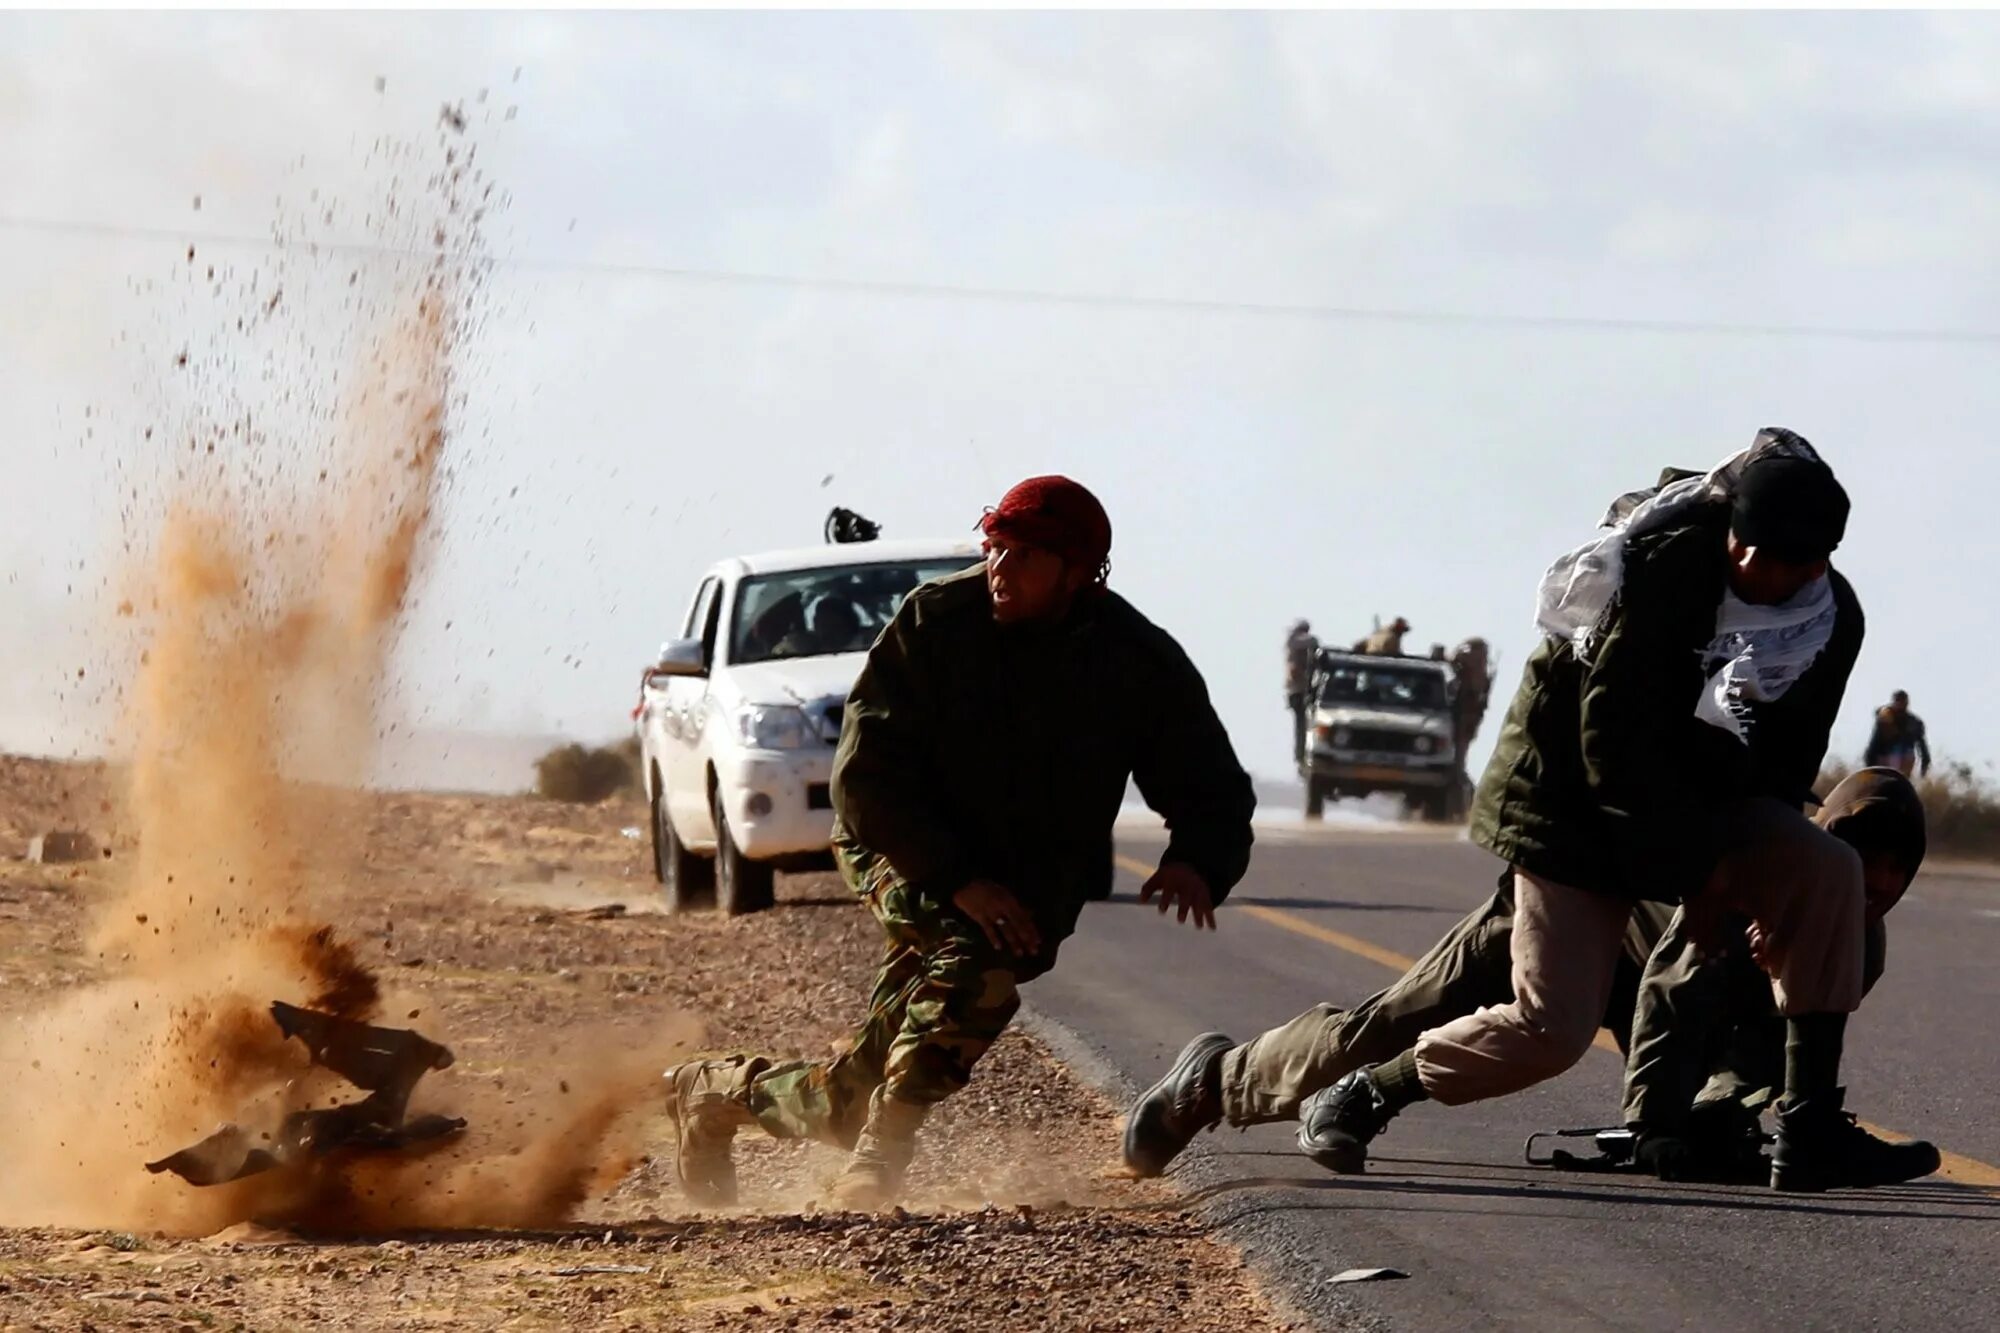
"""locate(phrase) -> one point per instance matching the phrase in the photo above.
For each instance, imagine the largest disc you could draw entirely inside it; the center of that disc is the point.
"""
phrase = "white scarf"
(1758, 652)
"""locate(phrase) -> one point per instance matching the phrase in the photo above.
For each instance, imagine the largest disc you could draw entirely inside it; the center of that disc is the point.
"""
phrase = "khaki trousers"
(1481, 1030)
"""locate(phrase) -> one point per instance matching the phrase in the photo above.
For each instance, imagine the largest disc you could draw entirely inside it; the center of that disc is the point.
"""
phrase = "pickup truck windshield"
(815, 612)
(1382, 687)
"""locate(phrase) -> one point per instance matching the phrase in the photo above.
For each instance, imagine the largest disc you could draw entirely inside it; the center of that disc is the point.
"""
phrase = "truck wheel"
(741, 885)
(687, 881)
(1315, 799)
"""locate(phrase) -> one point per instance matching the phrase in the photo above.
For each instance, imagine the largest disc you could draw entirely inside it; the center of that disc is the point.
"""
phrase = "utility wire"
(1033, 296)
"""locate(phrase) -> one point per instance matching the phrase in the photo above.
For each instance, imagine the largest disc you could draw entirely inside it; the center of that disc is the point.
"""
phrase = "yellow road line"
(1374, 953)
(1963, 1170)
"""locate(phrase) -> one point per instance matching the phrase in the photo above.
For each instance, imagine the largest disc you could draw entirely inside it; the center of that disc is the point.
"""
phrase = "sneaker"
(1337, 1123)
(1821, 1147)
(705, 1122)
(1170, 1113)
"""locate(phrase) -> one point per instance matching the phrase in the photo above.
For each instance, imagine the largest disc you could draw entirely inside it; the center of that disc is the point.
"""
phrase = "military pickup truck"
(1382, 724)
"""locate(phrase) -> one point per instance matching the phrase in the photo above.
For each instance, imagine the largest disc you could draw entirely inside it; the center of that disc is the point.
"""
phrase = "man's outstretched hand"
(995, 910)
(1181, 885)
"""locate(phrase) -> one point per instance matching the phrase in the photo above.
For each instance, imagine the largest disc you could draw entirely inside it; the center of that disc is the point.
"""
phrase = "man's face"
(1763, 579)
(1883, 881)
(1027, 582)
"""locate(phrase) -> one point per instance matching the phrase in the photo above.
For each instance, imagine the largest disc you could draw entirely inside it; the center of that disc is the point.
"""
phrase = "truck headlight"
(773, 727)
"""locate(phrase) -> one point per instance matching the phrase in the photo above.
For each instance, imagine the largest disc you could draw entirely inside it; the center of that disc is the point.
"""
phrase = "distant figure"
(1387, 642)
(1472, 672)
(1898, 741)
(1437, 652)
(1301, 650)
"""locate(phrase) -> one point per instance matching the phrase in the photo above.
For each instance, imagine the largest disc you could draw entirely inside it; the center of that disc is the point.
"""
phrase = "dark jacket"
(1603, 778)
(1897, 735)
(971, 750)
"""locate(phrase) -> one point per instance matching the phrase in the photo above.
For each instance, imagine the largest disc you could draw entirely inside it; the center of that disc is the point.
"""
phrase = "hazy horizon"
(1343, 315)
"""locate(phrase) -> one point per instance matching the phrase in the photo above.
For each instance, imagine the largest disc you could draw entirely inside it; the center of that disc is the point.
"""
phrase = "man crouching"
(985, 752)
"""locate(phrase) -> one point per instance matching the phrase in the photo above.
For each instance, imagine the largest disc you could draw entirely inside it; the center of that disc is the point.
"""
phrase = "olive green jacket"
(1603, 778)
(971, 750)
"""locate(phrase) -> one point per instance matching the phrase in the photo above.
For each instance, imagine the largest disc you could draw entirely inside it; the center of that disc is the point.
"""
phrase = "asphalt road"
(1487, 1241)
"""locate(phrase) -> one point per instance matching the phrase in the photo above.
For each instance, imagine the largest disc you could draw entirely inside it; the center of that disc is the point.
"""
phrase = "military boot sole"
(1344, 1157)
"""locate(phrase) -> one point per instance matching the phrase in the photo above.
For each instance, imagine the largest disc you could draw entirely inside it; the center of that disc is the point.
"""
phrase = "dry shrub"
(586, 774)
(1961, 809)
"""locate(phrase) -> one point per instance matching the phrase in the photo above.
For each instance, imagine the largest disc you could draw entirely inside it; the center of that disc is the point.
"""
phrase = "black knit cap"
(1790, 505)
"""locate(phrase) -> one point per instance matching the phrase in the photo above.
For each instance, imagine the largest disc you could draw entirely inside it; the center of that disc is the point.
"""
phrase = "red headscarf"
(1057, 515)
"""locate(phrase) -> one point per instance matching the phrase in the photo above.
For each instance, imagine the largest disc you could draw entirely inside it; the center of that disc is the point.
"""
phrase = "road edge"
(1284, 1274)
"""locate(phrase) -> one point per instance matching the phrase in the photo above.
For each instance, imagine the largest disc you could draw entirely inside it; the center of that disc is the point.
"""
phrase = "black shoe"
(1720, 1143)
(1169, 1114)
(1337, 1123)
(1668, 1156)
(1820, 1147)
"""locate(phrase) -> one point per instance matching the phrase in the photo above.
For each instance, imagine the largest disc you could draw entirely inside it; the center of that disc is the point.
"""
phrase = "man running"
(985, 753)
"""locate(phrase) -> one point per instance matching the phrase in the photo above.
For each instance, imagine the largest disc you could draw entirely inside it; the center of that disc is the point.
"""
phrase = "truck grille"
(1380, 741)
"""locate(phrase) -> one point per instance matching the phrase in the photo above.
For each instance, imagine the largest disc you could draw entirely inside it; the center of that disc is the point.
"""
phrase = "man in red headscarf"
(985, 753)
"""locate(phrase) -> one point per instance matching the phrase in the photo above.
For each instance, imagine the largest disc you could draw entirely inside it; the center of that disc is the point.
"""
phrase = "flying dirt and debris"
(265, 606)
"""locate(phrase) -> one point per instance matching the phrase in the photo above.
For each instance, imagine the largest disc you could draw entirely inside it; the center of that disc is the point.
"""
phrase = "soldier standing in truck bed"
(1471, 671)
(1387, 642)
(1301, 651)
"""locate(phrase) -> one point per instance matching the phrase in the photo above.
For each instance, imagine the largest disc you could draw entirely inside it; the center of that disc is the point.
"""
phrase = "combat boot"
(873, 1176)
(706, 1118)
(1336, 1124)
(1820, 1147)
(1181, 1105)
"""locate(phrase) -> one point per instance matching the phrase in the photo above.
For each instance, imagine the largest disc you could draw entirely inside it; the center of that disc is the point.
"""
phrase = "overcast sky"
(625, 429)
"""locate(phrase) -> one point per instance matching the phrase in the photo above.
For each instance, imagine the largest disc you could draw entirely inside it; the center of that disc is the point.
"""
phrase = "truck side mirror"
(678, 657)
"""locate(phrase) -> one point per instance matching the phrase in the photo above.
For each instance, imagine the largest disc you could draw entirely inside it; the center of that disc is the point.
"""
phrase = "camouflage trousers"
(942, 996)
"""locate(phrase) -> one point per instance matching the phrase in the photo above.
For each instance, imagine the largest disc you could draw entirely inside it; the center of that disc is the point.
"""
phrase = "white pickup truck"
(739, 716)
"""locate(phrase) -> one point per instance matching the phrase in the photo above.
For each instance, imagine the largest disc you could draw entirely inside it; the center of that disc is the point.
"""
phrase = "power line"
(1034, 296)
